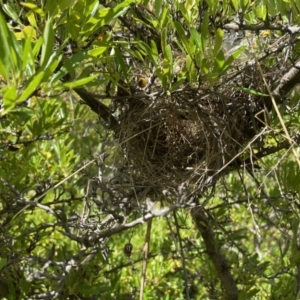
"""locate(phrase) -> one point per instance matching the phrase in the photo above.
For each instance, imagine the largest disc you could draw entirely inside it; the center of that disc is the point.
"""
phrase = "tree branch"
(223, 269)
(287, 82)
(262, 26)
(98, 107)
(141, 220)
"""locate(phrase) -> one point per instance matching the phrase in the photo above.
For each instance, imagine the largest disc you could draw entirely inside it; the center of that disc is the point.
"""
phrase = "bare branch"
(213, 251)
(262, 26)
(98, 107)
(287, 82)
(141, 220)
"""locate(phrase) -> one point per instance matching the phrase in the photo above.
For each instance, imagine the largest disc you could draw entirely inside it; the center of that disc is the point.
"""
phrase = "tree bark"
(223, 269)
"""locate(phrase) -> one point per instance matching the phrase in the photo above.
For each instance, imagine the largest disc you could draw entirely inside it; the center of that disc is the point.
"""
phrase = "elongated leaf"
(219, 61)
(64, 4)
(52, 62)
(97, 51)
(103, 17)
(34, 8)
(52, 65)
(218, 40)
(78, 83)
(204, 31)
(32, 85)
(121, 8)
(157, 7)
(120, 61)
(231, 59)
(168, 54)
(48, 43)
(152, 53)
(164, 40)
(37, 46)
(4, 70)
(10, 11)
(86, 9)
(27, 58)
(9, 98)
(3, 261)
(250, 91)
(9, 49)
(164, 18)
(31, 17)
(70, 65)
(181, 34)
(154, 48)
(196, 37)
(183, 10)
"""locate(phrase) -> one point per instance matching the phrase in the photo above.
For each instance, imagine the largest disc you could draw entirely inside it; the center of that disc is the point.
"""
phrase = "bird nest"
(190, 134)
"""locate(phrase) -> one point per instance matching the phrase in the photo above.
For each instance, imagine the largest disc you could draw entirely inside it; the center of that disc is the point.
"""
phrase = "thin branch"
(182, 256)
(141, 220)
(145, 258)
(262, 26)
(271, 150)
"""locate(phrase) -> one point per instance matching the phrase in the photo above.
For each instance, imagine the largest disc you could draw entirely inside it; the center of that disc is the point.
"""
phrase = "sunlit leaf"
(31, 86)
(34, 8)
(48, 43)
(218, 40)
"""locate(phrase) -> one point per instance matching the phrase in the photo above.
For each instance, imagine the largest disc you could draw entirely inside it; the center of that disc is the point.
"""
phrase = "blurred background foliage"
(53, 148)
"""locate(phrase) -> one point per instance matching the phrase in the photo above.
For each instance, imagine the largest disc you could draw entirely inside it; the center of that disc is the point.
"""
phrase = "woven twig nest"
(188, 135)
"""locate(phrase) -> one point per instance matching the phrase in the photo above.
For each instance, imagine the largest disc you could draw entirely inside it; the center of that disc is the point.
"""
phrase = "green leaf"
(205, 31)
(48, 43)
(104, 16)
(10, 50)
(157, 7)
(154, 48)
(11, 13)
(52, 65)
(164, 40)
(3, 261)
(231, 59)
(218, 40)
(163, 21)
(219, 61)
(168, 54)
(205, 66)
(196, 37)
(120, 61)
(78, 83)
(70, 65)
(261, 11)
(64, 4)
(121, 8)
(152, 53)
(4, 70)
(89, 9)
(27, 57)
(37, 46)
(191, 68)
(183, 10)
(34, 8)
(97, 51)
(250, 91)
(181, 34)
(9, 98)
(32, 84)
(51, 8)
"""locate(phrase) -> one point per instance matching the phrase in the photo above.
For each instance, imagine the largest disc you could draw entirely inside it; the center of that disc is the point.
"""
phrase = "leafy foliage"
(72, 197)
